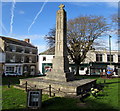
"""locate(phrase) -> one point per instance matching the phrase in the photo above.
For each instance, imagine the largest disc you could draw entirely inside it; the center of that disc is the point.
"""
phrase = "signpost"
(110, 69)
(34, 99)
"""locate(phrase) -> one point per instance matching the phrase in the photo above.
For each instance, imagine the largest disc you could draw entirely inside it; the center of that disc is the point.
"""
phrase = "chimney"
(27, 40)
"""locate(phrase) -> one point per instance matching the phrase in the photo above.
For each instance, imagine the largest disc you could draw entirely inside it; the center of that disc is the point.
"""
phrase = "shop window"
(82, 68)
(110, 58)
(99, 57)
(44, 58)
(9, 69)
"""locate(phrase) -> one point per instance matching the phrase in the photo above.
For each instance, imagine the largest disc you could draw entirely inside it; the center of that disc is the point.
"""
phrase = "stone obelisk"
(60, 70)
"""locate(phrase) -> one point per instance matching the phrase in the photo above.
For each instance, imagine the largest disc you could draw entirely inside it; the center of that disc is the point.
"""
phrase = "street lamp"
(110, 47)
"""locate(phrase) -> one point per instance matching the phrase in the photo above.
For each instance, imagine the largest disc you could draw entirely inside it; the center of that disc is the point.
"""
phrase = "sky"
(34, 20)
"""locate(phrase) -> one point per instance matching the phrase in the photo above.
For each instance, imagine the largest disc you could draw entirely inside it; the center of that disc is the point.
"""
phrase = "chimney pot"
(27, 40)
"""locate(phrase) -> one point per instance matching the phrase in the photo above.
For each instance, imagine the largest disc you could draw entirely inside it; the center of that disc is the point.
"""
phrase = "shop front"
(13, 69)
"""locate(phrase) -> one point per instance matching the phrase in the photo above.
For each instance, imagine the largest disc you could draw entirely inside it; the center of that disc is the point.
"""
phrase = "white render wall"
(48, 60)
(2, 57)
(91, 57)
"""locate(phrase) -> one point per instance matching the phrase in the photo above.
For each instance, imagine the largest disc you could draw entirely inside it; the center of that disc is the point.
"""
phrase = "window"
(44, 58)
(10, 69)
(82, 68)
(19, 49)
(108, 58)
(118, 58)
(12, 58)
(26, 59)
(22, 59)
(27, 50)
(99, 57)
(30, 59)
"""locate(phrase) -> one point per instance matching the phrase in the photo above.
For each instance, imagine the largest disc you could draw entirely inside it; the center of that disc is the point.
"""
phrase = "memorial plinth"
(72, 88)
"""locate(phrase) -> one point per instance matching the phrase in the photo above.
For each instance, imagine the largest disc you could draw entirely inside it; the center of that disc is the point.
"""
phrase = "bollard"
(104, 81)
(54, 94)
(50, 90)
(9, 84)
(26, 86)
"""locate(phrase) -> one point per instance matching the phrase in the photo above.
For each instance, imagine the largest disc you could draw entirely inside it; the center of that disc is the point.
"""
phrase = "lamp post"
(110, 47)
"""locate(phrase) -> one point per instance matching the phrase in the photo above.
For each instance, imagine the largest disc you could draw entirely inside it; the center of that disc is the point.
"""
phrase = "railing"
(48, 89)
(51, 90)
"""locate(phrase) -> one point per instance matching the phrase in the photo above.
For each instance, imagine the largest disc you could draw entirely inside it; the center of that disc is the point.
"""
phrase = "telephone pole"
(110, 48)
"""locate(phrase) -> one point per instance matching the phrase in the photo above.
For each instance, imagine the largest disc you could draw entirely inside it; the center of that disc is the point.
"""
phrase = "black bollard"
(26, 86)
(104, 81)
(9, 84)
(50, 90)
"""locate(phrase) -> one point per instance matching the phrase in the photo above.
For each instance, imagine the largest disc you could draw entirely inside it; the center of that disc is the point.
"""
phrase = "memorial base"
(72, 88)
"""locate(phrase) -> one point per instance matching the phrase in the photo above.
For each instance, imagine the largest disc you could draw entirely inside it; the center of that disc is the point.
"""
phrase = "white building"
(45, 61)
(95, 62)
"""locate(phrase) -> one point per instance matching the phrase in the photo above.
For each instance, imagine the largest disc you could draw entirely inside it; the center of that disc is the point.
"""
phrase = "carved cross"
(61, 6)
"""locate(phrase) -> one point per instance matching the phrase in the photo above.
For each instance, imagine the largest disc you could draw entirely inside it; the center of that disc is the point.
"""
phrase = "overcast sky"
(33, 20)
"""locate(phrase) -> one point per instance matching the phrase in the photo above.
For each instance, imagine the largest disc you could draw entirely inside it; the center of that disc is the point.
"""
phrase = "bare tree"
(50, 38)
(114, 18)
(81, 34)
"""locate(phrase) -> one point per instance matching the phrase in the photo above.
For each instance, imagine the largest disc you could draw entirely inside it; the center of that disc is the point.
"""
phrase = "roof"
(16, 41)
(50, 51)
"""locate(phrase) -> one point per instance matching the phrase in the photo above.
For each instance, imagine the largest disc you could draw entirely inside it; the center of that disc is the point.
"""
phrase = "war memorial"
(60, 79)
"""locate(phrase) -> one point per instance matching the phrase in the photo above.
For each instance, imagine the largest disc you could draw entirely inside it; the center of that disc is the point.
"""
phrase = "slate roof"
(16, 41)
(50, 51)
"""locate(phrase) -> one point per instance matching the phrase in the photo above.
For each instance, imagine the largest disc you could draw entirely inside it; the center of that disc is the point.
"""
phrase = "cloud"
(33, 37)
(113, 4)
(21, 12)
(36, 40)
(40, 11)
(12, 16)
(62, 1)
(112, 32)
